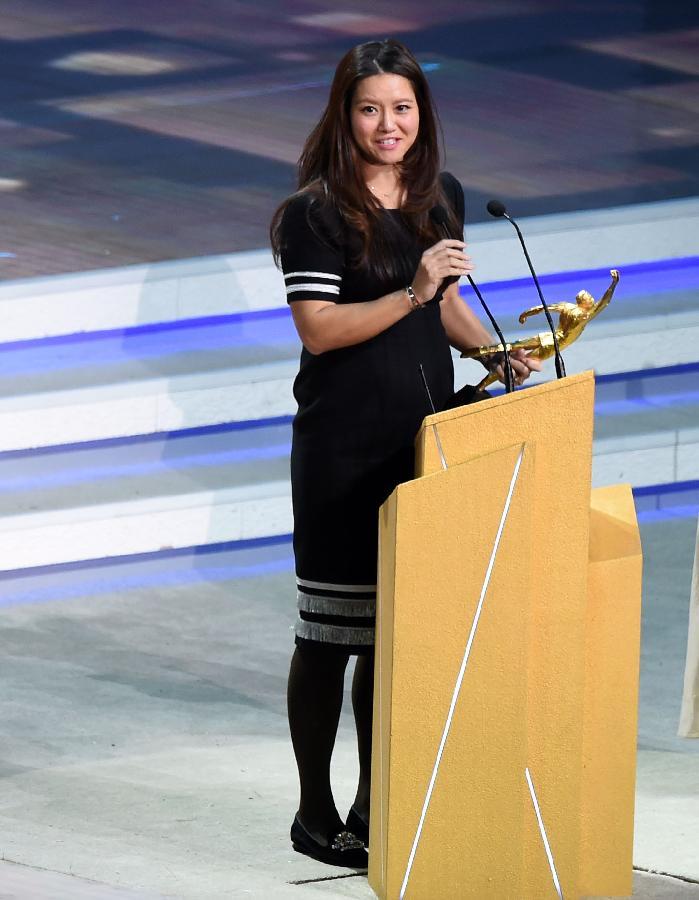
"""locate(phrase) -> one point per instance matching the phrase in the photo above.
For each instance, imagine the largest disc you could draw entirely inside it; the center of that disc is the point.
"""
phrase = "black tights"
(316, 686)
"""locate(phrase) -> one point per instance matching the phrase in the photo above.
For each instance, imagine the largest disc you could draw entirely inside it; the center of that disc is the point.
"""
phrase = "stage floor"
(137, 133)
(145, 739)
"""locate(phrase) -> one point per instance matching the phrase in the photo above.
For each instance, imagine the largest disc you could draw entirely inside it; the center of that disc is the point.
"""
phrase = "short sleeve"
(311, 256)
(455, 195)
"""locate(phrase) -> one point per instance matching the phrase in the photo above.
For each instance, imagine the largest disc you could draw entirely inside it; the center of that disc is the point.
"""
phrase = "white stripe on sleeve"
(322, 288)
(328, 275)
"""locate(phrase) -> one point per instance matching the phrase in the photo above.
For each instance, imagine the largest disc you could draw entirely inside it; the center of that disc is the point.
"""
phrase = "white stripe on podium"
(544, 838)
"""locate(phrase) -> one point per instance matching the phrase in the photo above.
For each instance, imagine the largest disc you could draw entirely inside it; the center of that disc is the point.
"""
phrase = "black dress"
(360, 408)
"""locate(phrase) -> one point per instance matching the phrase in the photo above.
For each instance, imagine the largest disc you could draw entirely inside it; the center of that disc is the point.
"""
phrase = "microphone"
(498, 210)
(439, 216)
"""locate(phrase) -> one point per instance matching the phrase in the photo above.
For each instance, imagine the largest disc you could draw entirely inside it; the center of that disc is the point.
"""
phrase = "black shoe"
(342, 849)
(356, 824)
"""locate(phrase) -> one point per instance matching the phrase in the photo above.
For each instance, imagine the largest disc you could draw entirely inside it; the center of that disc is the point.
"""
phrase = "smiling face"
(385, 118)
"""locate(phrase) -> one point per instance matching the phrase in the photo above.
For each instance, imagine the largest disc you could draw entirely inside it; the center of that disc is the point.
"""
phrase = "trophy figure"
(571, 323)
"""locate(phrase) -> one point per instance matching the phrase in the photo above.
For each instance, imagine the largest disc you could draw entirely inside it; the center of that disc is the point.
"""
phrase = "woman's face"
(385, 118)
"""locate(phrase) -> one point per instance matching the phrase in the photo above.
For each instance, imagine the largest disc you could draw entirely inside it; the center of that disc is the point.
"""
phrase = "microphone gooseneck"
(498, 210)
(439, 217)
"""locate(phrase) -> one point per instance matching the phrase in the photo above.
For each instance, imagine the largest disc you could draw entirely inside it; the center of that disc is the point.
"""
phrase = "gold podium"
(507, 660)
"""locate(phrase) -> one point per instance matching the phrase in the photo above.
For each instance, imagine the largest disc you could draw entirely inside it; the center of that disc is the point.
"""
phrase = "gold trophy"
(571, 323)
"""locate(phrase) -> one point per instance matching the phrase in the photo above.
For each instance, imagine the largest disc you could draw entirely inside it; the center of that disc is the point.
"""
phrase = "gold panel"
(522, 699)
(427, 607)
(612, 648)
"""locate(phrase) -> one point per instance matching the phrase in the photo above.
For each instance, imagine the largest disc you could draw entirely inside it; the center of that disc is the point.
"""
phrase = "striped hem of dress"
(340, 614)
(311, 285)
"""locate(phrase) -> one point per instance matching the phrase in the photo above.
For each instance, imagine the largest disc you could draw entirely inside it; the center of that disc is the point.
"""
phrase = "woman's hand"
(444, 259)
(522, 366)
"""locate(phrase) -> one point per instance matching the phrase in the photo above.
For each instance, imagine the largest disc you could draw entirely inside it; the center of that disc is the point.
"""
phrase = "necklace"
(388, 194)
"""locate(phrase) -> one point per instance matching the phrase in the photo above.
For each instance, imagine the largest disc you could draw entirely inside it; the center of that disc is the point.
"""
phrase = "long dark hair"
(329, 170)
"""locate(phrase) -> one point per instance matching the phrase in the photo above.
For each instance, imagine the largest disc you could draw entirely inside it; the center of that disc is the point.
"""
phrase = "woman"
(372, 286)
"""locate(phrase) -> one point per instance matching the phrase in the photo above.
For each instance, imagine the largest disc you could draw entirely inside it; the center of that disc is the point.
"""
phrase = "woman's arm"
(323, 325)
(463, 327)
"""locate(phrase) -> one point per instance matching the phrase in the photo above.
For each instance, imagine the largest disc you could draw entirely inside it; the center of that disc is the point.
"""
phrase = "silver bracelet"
(414, 302)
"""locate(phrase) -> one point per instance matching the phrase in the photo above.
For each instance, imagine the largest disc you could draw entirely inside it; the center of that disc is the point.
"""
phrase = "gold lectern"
(507, 660)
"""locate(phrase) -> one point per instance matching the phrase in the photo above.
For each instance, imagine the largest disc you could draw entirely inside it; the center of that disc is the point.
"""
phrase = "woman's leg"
(363, 706)
(314, 699)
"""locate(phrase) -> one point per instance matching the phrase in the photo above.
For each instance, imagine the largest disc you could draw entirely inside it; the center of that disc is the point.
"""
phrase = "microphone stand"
(507, 366)
(560, 365)
(439, 217)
